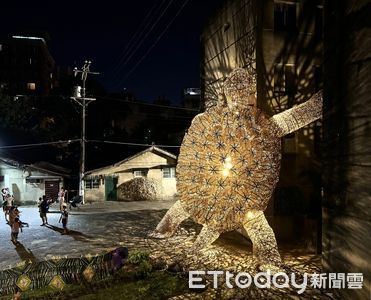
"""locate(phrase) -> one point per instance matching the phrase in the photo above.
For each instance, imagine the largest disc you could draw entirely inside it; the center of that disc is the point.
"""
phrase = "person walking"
(64, 218)
(15, 227)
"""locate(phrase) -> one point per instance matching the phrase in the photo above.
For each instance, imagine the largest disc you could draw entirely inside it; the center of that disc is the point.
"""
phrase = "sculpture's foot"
(206, 237)
(264, 241)
(170, 222)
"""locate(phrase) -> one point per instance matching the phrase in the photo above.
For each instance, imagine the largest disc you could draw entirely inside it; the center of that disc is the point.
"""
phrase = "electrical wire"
(134, 144)
(153, 45)
(121, 65)
(89, 141)
(137, 34)
(150, 104)
(39, 144)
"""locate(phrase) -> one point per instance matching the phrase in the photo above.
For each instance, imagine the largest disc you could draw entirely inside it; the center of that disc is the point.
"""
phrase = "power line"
(150, 104)
(89, 141)
(138, 33)
(39, 144)
(130, 44)
(134, 144)
(153, 45)
(143, 39)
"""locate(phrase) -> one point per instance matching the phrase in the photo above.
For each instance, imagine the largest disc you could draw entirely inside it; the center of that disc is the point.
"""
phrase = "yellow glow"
(228, 165)
(225, 172)
(250, 215)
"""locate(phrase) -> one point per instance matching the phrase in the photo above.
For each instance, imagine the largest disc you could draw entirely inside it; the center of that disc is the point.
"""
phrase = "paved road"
(94, 229)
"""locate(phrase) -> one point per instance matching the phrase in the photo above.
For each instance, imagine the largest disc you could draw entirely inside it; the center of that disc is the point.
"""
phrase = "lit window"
(140, 173)
(31, 86)
(169, 172)
(1, 47)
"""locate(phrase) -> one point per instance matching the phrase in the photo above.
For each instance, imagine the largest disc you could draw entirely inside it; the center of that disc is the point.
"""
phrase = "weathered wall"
(347, 135)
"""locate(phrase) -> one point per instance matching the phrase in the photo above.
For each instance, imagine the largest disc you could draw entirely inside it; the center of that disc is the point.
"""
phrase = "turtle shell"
(228, 164)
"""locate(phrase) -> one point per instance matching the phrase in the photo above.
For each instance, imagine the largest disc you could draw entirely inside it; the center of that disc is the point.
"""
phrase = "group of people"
(12, 214)
(44, 204)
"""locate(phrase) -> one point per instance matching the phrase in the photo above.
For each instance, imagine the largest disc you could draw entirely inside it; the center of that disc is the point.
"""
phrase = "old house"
(30, 182)
(154, 164)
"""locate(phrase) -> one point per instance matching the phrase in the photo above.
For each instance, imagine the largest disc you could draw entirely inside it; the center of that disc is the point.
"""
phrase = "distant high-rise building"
(26, 65)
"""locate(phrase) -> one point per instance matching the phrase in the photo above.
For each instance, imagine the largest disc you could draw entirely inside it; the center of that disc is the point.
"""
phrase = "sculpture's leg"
(263, 240)
(206, 237)
(170, 222)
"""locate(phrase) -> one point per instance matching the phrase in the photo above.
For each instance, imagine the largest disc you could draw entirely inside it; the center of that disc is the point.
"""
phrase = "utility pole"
(80, 98)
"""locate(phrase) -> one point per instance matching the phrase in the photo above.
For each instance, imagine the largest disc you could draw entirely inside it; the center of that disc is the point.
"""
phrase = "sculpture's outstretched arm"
(299, 116)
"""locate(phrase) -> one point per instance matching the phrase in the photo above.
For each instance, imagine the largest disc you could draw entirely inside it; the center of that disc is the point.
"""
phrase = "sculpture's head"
(240, 89)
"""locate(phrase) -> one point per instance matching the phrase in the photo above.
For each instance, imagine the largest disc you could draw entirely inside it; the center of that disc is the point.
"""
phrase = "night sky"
(102, 30)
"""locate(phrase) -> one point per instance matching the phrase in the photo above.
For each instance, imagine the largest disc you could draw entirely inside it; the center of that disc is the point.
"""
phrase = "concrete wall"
(347, 135)
(96, 194)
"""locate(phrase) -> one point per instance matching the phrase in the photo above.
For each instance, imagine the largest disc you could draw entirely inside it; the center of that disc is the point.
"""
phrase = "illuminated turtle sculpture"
(228, 167)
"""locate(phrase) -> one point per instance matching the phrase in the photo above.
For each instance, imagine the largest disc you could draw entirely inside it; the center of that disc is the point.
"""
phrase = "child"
(64, 218)
(43, 209)
(13, 214)
(15, 230)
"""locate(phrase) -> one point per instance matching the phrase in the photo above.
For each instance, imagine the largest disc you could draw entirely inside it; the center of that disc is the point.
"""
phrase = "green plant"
(137, 257)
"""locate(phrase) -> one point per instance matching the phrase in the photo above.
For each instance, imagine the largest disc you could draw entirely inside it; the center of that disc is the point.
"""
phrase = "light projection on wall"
(229, 164)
